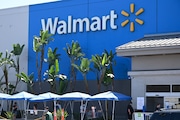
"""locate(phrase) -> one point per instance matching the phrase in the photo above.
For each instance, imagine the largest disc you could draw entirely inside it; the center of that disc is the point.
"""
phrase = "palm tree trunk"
(86, 83)
(101, 78)
(17, 79)
(6, 78)
(40, 68)
(111, 69)
(73, 76)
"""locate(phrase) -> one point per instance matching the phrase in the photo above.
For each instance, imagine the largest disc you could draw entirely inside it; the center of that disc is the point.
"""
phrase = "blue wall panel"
(94, 42)
(168, 13)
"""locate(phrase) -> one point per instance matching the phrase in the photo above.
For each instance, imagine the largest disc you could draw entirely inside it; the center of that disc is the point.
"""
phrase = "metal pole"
(113, 109)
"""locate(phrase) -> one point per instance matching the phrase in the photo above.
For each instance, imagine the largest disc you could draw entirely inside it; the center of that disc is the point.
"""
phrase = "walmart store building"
(144, 34)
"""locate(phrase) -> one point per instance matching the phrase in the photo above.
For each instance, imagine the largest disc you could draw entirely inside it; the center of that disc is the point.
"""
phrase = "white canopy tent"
(3, 96)
(73, 96)
(50, 96)
(46, 97)
(76, 96)
(22, 96)
(113, 96)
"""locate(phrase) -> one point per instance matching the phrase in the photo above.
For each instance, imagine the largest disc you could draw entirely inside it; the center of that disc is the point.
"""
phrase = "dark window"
(158, 88)
(175, 88)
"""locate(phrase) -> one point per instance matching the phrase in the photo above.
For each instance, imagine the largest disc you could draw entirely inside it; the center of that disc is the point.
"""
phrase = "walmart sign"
(71, 26)
(56, 25)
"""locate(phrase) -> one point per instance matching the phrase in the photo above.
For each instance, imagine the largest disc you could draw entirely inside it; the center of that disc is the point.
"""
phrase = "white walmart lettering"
(79, 25)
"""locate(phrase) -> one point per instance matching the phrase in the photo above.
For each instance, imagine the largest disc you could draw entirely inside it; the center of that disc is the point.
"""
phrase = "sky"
(17, 3)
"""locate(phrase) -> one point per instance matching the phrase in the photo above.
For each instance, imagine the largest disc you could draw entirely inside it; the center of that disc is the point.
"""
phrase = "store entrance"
(151, 103)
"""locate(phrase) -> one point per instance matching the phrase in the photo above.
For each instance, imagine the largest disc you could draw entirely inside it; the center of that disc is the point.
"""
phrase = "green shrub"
(9, 115)
(59, 114)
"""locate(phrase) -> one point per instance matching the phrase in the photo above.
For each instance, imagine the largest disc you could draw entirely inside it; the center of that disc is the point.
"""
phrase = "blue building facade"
(100, 24)
(96, 25)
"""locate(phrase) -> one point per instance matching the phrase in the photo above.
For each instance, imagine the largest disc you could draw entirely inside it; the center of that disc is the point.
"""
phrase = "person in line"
(58, 106)
(47, 114)
(14, 110)
(35, 109)
(130, 111)
(158, 107)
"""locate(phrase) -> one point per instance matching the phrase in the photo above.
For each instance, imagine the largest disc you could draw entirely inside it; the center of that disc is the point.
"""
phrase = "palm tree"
(104, 68)
(63, 83)
(52, 74)
(109, 75)
(100, 64)
(6, 63)
(52, 57)
(17, 50)
(39, 43)
(53, 67)
(28, 79)
(74, 52)
(84, 68)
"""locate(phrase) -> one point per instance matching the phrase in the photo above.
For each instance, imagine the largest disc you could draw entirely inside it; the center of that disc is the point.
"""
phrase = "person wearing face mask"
(47, 114)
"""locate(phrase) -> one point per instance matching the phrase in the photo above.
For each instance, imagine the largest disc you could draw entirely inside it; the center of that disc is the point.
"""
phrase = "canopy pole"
(44, 104)
(113, 109)
(84, 110)
(28, 106)
(2, 101)
(80, 109)
(25, 110)
(101, 109)
(106, 108)
(55, 112)
(71, 107)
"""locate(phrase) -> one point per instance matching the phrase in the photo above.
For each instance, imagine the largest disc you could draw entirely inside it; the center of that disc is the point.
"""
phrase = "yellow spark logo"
(126, 14)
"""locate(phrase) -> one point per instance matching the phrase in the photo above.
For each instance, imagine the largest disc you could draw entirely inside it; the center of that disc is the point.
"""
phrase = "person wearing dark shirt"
(14, 111)
(130, 111)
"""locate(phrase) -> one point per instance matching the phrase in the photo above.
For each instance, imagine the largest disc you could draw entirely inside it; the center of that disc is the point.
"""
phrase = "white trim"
(158, 94)
(150, 73)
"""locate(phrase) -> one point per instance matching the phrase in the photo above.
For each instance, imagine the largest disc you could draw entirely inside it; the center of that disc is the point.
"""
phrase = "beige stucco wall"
(153, 70)
(139, 80)
(156, 62)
